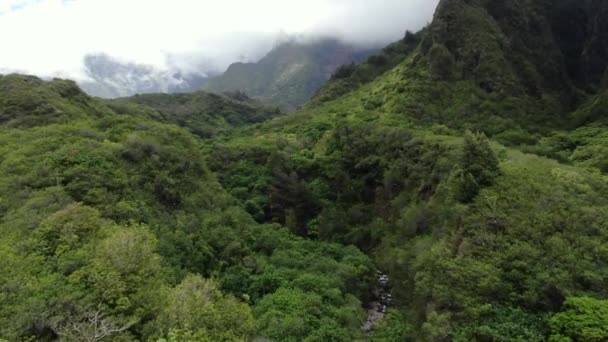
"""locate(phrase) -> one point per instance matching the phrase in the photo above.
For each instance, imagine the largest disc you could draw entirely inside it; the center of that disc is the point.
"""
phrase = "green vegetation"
(467, 161)
(110, 221)
(583, 319)
(204, 114)
(483, 242)
(479, 167)
(351, 76)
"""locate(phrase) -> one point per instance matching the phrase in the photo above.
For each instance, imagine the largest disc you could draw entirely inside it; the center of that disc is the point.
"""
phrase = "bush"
(479, 166)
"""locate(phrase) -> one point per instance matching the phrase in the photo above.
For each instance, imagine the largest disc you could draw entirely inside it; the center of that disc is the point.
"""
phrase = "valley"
(452, 186)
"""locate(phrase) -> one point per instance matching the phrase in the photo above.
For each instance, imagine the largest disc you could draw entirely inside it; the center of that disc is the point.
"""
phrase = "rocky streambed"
(382, 299)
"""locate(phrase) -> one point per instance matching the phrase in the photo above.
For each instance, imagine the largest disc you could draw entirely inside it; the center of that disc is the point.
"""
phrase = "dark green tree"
(479, 166)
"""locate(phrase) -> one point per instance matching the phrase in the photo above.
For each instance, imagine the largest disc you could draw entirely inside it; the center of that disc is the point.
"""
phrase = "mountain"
(290, 74)
(349, 77)
(496, 235)
(451, 187)
(111, 78)
(555, 48)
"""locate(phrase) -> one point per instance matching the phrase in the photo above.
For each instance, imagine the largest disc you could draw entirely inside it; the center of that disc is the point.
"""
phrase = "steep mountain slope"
(482, 242)
(349, 77)
(290, 74)
(111, 78)
(515, 68)
(532, 49)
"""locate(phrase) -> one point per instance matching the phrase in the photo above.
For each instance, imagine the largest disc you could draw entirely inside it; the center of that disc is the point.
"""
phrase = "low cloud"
(51, 37)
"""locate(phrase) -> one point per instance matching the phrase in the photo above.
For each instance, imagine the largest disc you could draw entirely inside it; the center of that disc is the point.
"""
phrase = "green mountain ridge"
(379, 162)
(111, 212)
(204, 114)
(289, 75)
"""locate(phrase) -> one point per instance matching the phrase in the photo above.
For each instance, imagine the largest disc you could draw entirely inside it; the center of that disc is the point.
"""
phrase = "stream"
(382, 299)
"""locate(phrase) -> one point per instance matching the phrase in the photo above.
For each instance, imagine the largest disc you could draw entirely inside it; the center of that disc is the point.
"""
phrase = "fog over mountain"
(110, 78)
(185, 37)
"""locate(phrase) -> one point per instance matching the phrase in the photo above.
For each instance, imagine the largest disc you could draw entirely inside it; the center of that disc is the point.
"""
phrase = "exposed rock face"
(382, 300)
(595, 54)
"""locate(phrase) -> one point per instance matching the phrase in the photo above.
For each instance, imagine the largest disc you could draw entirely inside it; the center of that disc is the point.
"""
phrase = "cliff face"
(522, 47)
(595, 54)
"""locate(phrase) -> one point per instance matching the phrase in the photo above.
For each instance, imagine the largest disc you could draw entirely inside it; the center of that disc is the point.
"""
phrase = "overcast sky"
(51, 37)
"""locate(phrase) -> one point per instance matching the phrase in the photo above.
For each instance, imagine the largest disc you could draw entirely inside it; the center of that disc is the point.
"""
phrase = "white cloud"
(14, 5)
(49, 37)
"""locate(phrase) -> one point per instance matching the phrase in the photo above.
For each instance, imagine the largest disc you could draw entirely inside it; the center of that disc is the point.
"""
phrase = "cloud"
(7, 6)
(51, 37)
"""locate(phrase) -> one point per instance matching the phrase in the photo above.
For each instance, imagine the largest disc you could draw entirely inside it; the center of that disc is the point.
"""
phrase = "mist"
(52, 37)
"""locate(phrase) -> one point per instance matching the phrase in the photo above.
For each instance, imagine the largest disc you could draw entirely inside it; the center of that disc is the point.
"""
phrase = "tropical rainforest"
(467, 161)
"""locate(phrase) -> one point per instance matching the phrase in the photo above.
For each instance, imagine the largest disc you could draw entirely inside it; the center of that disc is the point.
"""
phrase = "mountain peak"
(290, 73)
(531, 46)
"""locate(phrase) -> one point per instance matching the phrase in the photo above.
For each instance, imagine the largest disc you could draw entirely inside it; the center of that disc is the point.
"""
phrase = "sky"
(51, 37)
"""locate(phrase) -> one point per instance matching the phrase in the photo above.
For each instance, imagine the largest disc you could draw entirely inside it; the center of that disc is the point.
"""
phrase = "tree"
(197, 307)
(410, 37)
(68, 229)
(394, 327)
(479, 166)
(90, 326)
(583, 319)
(345, 71)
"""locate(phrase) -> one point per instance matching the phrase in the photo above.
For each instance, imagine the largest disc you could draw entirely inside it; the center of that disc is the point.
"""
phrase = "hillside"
(349, 77)
(113, 228)
(482, 242)
(204, 114)
(290, 74)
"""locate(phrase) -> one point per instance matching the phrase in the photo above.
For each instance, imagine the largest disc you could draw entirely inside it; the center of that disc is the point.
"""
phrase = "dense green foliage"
(468, 162)
(489, 266)
(482, 242)
(105, 216)
(351, 76)
(202, 113)
(583, 319)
